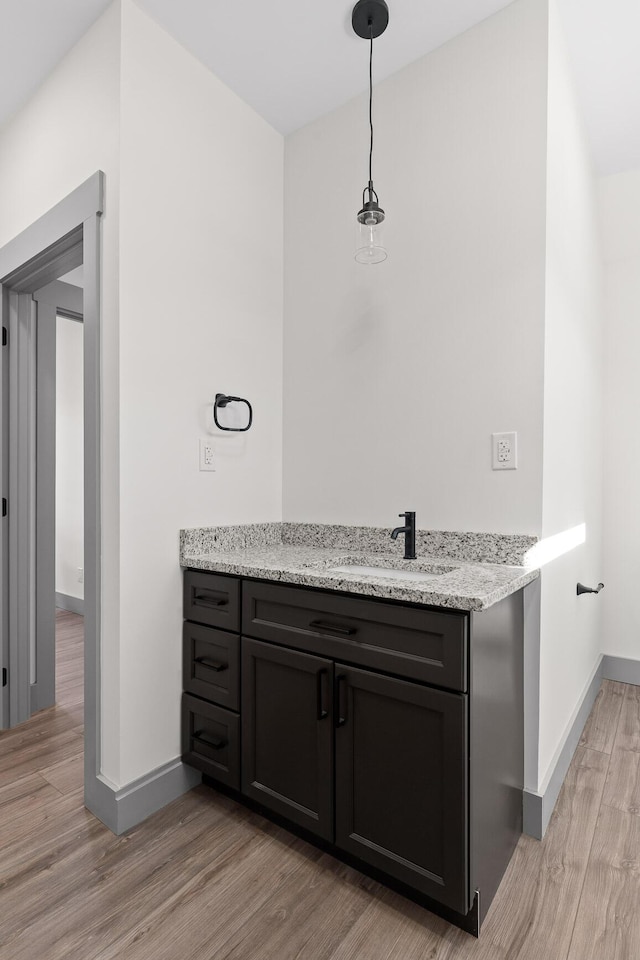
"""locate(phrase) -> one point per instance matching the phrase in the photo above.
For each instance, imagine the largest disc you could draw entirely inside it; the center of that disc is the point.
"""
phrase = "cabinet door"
(401, 781)
(287, 734)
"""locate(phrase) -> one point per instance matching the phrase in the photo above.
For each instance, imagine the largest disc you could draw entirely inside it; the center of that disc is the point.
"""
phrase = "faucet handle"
(407, 513)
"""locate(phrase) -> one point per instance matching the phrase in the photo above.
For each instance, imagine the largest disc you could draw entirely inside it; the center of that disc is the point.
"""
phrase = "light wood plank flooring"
(207, 879)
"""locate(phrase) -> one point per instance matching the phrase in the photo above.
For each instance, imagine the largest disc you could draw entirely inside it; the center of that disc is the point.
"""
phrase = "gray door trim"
(43, 684)
(54, 299)
(94, 786)
(31, 249)
(21, 503)
(65, 297)
(28, 262)
(4, 534)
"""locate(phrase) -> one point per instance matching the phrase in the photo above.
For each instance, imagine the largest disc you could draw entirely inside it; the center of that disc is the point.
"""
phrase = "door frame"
(20, 323)
(4, 529)
(64, 237)
(56, 299)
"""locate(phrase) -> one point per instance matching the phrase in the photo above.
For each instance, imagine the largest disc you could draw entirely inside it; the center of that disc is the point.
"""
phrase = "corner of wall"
(572, 490)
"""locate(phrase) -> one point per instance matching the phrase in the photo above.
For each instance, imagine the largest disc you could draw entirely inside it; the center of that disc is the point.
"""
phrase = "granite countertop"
(304, 553)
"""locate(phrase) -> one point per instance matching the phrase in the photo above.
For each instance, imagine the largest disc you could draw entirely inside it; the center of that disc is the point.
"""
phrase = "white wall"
(487, 316)
(67, 131)
(571, 626)
(69, 458)
(396, 375)
(201, 312)
(620, 209)
(192, 305)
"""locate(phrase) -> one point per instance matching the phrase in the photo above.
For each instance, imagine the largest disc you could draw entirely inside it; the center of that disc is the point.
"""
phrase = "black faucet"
(409, 531)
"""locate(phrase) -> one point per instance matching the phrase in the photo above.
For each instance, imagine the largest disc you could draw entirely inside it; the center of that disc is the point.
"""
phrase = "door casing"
(53, 300)
(66, 236)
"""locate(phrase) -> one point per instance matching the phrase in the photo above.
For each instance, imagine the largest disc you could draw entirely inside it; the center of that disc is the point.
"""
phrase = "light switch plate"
(504, 451)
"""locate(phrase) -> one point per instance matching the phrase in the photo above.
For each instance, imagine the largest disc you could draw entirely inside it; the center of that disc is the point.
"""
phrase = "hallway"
(44, 757)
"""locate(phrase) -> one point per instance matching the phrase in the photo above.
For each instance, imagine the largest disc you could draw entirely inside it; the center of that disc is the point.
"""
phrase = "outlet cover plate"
(504, 451)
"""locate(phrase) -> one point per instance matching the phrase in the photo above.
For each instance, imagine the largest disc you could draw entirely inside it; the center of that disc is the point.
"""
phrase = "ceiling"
(36, 34)
(294, 60)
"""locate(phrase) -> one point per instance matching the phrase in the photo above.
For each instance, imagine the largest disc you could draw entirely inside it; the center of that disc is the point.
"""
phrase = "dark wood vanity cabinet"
(391, 732)
(211, 676)
(287, 734)
(401, 781)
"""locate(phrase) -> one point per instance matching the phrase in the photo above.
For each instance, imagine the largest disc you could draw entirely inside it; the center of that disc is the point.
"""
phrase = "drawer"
(211, 740)
(411, 642)
(210, 660)
(213, 599)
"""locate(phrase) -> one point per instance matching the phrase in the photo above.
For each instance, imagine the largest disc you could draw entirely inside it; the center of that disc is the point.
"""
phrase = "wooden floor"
(205, 878)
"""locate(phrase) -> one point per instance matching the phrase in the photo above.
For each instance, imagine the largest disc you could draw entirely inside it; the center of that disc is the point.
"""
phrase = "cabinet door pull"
(341, 700)
(333, 628)
(214, 742)
(322, 706)
(211, 664)
(205, 601)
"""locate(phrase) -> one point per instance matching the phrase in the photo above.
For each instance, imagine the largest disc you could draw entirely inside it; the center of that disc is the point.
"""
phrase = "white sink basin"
(389, 573)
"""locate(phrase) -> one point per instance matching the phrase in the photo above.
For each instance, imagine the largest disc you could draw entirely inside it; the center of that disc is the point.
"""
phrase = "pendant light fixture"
(369, 20)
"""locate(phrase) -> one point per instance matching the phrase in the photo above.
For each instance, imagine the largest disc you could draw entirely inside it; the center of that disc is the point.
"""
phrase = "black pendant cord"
(369, 19)
(371, 107)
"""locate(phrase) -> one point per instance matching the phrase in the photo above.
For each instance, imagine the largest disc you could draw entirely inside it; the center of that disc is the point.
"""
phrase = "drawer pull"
(205, 601)
(322, 705)
(213, 742)
(211, 664)
(333, 628)
(341, 701)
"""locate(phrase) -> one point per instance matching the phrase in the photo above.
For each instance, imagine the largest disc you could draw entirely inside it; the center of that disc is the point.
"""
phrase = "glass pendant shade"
(370, 247)
(369, 244)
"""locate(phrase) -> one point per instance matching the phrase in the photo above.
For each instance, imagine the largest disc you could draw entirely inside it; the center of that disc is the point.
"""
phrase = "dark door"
(287, 734)
(401, 781)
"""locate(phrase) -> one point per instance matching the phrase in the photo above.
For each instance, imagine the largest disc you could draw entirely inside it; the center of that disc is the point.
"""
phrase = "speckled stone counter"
(473, 570)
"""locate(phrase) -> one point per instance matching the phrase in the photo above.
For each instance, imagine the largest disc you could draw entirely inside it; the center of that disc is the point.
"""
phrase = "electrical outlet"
(80, 574)
(504, 448)
(206, 455)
